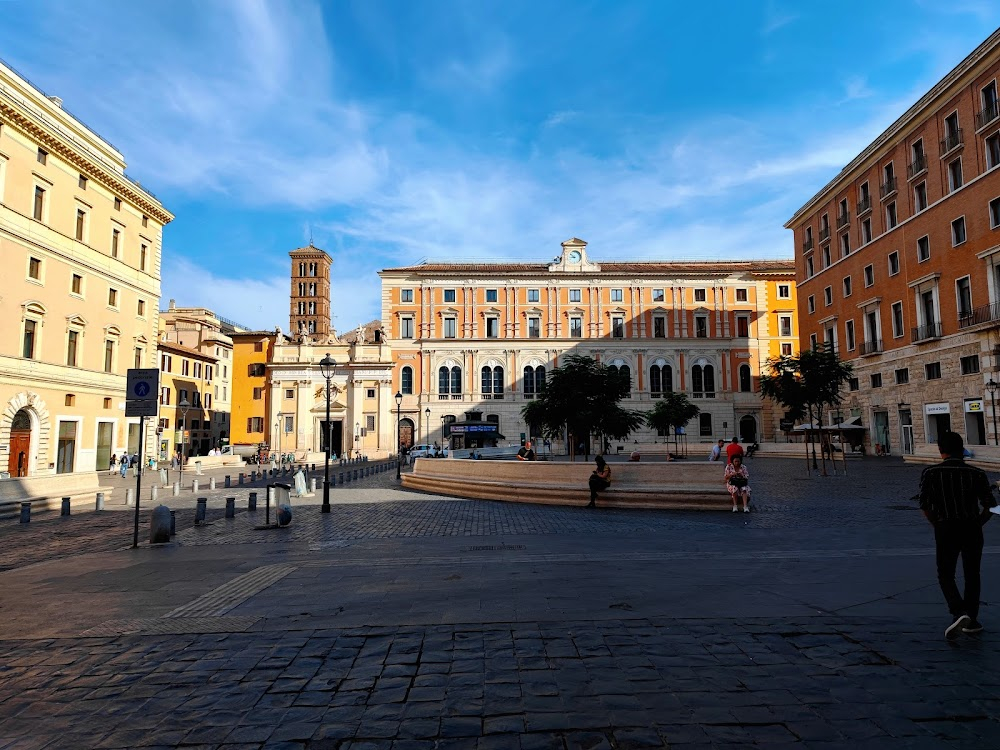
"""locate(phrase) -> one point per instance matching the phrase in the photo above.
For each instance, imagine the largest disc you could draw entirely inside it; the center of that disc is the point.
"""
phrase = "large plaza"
(403, 620)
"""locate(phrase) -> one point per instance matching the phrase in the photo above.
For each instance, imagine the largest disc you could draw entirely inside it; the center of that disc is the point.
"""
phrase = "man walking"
(733, 449)
(717, 449)
(956, 498)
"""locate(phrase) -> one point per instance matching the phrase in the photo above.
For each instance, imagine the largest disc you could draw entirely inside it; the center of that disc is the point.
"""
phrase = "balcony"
(988, 114)
(871, 347)
(951, 141)
(843, 220)
(887, 188)
(927, 332)
(985, 314)
(491, 396)
(916, 167)
(807, 245)
(865, 204)
(824, 234)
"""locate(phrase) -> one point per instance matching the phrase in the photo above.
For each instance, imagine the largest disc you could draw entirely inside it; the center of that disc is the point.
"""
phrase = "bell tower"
(310, 297)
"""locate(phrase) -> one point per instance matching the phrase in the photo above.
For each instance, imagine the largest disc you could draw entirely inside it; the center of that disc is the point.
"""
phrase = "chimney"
(173, 304)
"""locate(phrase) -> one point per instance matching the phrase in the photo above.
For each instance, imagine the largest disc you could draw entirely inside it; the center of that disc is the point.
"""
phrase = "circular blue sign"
(141, 389)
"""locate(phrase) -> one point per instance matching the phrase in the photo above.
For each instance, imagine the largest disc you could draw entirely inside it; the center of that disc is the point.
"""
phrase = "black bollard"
(173, 523)
(201, 510)
(252, 502)
(229, 482)
(240, 480)
(230, 507)
(341, 479)
(65, 507)
(26, 512)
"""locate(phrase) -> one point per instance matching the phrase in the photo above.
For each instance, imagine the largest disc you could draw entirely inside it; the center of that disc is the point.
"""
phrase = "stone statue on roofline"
(360, 335)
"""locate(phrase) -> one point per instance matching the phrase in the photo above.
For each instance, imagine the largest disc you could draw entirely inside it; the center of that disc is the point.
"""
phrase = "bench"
(47, 491)
(675, 485)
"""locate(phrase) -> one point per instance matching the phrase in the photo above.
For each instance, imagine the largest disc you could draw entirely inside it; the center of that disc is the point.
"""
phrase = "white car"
(427, 451)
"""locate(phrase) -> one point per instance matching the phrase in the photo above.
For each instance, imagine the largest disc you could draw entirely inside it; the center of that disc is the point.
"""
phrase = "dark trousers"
(596, 485)
(954, 538)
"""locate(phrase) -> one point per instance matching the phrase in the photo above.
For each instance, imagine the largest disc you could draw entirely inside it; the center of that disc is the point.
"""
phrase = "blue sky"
(398, 131)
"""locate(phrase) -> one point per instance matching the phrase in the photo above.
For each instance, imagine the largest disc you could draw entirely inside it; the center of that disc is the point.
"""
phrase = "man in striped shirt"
(956, 498)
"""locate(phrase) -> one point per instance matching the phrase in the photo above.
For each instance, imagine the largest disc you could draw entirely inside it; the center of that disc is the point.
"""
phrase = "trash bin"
(283, 503)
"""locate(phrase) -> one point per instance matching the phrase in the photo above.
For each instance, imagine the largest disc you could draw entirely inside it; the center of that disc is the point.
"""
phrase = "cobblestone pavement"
(415, 622)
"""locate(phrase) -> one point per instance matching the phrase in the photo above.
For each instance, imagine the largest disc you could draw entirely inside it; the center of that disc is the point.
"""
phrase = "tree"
(581, 396)
(672, 411)
(807, 383)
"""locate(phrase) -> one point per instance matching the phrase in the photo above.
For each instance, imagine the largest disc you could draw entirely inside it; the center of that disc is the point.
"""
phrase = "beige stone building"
(81, 245)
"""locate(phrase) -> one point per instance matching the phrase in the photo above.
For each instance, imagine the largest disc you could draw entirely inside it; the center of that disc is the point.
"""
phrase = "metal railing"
(843, 220)
(871, 347)
(951, 140)
(887, 188)
(929, 331)
(824, 234)
(987, 114)
(915, 167)
(985, 314)
(864, 204)
(807, 245)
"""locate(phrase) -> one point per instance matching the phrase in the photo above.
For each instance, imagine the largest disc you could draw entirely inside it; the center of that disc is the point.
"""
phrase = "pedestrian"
(112, 463)
(733, 449)
(526, 453)
(956, 498)
(124, 465)
(737, 480)
(600, 479)
(716, 453)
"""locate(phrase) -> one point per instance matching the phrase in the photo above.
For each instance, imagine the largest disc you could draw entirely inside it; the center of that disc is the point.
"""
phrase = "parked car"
(427, 451)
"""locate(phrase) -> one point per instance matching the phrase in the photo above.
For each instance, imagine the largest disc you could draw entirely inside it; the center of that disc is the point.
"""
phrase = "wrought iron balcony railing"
(987, 114)
(887, 188)
(986, 314)
(951, 141)
(929, 331)
(871, 347)
(843, 220)
(917, 166)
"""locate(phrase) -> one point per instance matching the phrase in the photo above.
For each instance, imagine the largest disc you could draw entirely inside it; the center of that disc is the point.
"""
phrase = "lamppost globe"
(399, 435)
(427, 424)
(326, 366)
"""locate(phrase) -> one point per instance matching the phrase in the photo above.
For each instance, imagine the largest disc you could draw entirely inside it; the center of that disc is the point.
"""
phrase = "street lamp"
(184, 406)
(357, 439)
(326, 366)
(277, 429)
(992, 386)
(427, 422)
(399, 435)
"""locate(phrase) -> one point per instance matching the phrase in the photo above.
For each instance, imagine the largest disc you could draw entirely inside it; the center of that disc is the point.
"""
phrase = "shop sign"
(974, 406)
(937, 408)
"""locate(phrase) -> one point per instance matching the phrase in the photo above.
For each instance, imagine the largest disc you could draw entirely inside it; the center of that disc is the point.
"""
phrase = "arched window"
(497, 381)
(406, 380)
(443, 380)
(703, 381)
(619, 367)
(539, 379)
(487, 380)
(456, 379)
(746, 379)
(661, 379)
(449, 380)
(534, 380)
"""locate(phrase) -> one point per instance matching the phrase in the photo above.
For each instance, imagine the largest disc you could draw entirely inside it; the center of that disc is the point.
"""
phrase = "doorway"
(133, 438)
(880, 421)
(20, 444)
(405, 434)
(335, 432)
(748, 429)
(906, 431)
(66, 452)
(937, 424)
(105, 436)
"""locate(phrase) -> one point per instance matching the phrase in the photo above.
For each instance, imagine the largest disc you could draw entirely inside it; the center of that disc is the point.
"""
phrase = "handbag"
(737, 481)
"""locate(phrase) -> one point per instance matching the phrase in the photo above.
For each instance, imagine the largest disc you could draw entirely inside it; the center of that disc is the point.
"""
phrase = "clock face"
(574, 257)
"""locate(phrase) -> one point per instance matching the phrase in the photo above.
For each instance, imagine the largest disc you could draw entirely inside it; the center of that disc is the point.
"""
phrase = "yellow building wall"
(243, 404)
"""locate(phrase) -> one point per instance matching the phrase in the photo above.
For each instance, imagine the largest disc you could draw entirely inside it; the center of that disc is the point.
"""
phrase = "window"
(970, 364)
(902, 376)
(618, 327)
(140, 308)
(449, 328)
(406, 295)
(42, 156)
(958, 231)
(955, 175)
(826, 256)
(72, 342)
(492, 328)
(742, 326)
(847, 286)
(35, 269)
(658, 295)
(143, 252)
(255, 424)
(81, 225)
(893, 263)
(741, 295)
(659, 327)
(700, 295)
(952, 133)
(491, 295)
(491, 381)
(258, 394)
(576, 328)
(864, 197)
(112, 297)
(703, 381)
(786, 350)
(28, 345)
(923, 248)
(869, 275)
(449, 295)
(890, 215)
(70, 399)
(82, 182)
(661, 379)
(406, 328)
(118, 204)
(449, 380)
(116, 238)
(137, 357)
(897, 320)
(784, 291)
(963, 297)
(853, 384)
(369, 422)
(746, 379)
(39, 206)
(812, 303)
(993, 151)
(406, 380)
(810, 271)
(166, 363)
(705, 425)
(145, 220)
(534, 328)
(828, 296)
(932, 371)
(866, 231)
(995, 213)
(812, 341)
(256, 370)
(785, 325)
(849, 335)
(534, 380)
(533, 295)
(575, 295)
(617, 295)
(369, 393)
(109, 355)
(876, 380)
(258, 346)
(289, 423)
(76, 284)
(701, 326)
(845, 245)
(289, 393)
(920, 197)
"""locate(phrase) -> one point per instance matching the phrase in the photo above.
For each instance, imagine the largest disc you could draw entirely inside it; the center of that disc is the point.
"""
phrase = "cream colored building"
(81, 244)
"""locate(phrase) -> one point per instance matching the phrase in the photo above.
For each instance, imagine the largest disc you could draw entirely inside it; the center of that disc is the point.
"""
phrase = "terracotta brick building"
(898, 265)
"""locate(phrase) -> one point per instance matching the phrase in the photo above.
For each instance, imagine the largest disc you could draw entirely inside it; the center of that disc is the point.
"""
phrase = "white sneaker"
(954, 630)
(746, 509)
(735, 509)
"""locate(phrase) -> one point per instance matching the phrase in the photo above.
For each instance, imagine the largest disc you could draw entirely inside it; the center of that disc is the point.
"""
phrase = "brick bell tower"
(310, 298)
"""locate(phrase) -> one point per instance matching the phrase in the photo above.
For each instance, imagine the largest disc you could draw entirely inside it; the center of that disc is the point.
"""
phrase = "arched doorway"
(405, 433)
(748, 429)
(20, 444)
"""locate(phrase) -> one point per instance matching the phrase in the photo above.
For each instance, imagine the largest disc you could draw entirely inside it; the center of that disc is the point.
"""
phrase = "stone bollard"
(177, 489)
(100, 501)
(173, 523)
(154, 493)
(230, 507)
(240, 480)
(159, 525)
(228, 482)
(65, 507)
(130, 497)
(211, 483)
(312, 484)
(26, 512)
(200, 511)
(355, 477)
(194, 485)
(252, 502)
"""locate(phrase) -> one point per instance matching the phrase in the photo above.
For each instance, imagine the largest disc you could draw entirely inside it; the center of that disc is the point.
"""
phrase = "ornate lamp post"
(326, 366)
(399, 434)
(184, 406)
(992, 386)
(427, 422)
